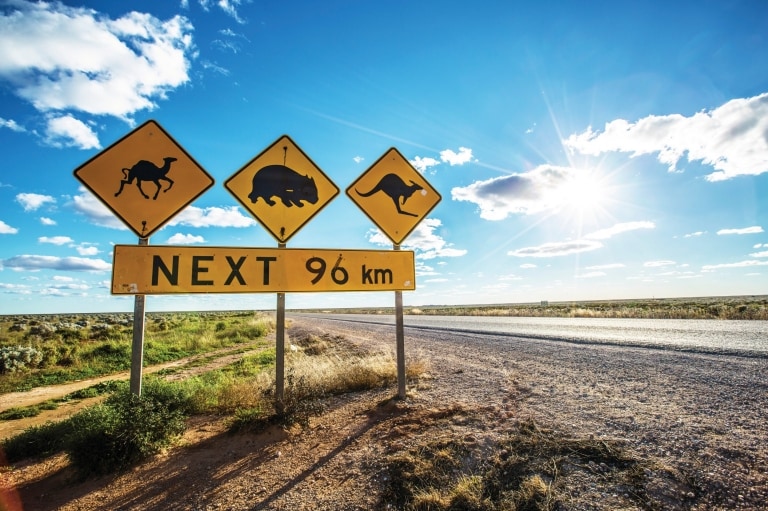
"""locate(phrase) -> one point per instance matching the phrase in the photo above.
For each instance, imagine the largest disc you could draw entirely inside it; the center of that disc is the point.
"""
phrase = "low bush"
(16, 358)
(127, 428)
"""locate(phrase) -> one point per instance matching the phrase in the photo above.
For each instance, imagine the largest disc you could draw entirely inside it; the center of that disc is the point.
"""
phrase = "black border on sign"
(349, 195)
(115, 212)
(242, 203)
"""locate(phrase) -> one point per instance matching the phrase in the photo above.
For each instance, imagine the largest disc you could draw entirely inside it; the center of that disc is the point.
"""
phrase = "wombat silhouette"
(147, 171)
(394, 187)
(286, 184)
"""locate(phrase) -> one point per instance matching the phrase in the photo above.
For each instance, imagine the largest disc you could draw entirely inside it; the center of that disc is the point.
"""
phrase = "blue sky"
(583, 150)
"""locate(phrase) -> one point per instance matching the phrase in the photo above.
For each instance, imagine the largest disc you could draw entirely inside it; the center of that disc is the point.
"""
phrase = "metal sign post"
(400, 340)
(280, 351)
(137, 350)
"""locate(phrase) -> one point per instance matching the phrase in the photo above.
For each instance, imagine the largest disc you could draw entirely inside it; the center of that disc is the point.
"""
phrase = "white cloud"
(658, 264)
(47, 221)
(610, 232)
(7, 229)
(528, 266)
(731, 138)
(755, 229)
(612, 266)
(74, 58)
(42, 262)
(557, 249)
(358, 159)
(33, 201)
(423, 164)
(525, 193)
(185, 239)
(463, 156)
(446, 156)
(212, 217)
(11, 125)
(66, 131)
(95, 210)
(591, 275)
(423, 240)
(764, 253)
(587, 244)
(85, 249)
(742, 264)
(695, 234)
(55, 240)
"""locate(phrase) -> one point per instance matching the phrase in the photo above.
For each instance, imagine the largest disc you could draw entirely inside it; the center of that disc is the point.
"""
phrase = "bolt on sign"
(145, 178)
(394, 195)
(282, 188)
(167, 269)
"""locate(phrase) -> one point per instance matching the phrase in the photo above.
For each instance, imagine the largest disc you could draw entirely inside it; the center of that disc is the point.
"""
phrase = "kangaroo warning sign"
(282, 188)
(145, 178)
(394, 195)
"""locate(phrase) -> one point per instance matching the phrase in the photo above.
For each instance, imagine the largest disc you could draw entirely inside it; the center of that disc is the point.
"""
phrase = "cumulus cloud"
(77, 59)
(695, 234)
(42, 262)
(755, 229)
(423, 164)
(446, 156)
(212, 217)
(97, 213)
(47, 221)
(55, 240)
(730, 139)
(525, 193)
(452, 158)
(423, 240)
(185, 239)
(66, 131)
(7, 229)
(87, 250)
(33, 201)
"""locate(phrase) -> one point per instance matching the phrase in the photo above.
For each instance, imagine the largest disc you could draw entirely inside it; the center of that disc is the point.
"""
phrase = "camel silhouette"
(147, 171)
(396, 189)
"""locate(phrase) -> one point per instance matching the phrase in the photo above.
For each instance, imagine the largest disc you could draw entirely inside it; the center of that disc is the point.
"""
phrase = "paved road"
(745, 338)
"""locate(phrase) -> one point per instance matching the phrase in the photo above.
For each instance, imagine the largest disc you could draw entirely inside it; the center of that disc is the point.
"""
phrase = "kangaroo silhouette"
(396, 189)
(147, 171)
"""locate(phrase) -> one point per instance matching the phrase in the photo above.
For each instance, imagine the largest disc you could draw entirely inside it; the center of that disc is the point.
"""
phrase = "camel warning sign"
(145, 178)
(394, 195)
(282, 188)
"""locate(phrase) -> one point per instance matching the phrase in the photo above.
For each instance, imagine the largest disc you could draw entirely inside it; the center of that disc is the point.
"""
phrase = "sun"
(583, 191)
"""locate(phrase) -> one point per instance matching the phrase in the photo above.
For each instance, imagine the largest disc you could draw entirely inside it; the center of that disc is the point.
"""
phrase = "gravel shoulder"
(698, 421)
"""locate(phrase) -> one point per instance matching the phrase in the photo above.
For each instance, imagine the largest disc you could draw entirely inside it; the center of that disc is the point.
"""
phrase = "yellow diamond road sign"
(394, 195)
(145, 178)
(282, 188)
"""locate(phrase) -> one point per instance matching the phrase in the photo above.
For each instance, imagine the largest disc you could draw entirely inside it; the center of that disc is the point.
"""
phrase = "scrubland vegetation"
(125, 428)
(737, 307)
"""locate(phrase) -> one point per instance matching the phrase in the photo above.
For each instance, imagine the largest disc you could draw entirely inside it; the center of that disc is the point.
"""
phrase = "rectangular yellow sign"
(180, 270)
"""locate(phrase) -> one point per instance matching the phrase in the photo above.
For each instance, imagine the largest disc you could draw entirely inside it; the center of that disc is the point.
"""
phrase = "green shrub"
(126, 428)
(37, 441)
(13, 359)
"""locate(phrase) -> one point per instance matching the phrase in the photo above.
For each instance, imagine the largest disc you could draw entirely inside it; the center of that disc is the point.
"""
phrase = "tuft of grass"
(533, 469)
